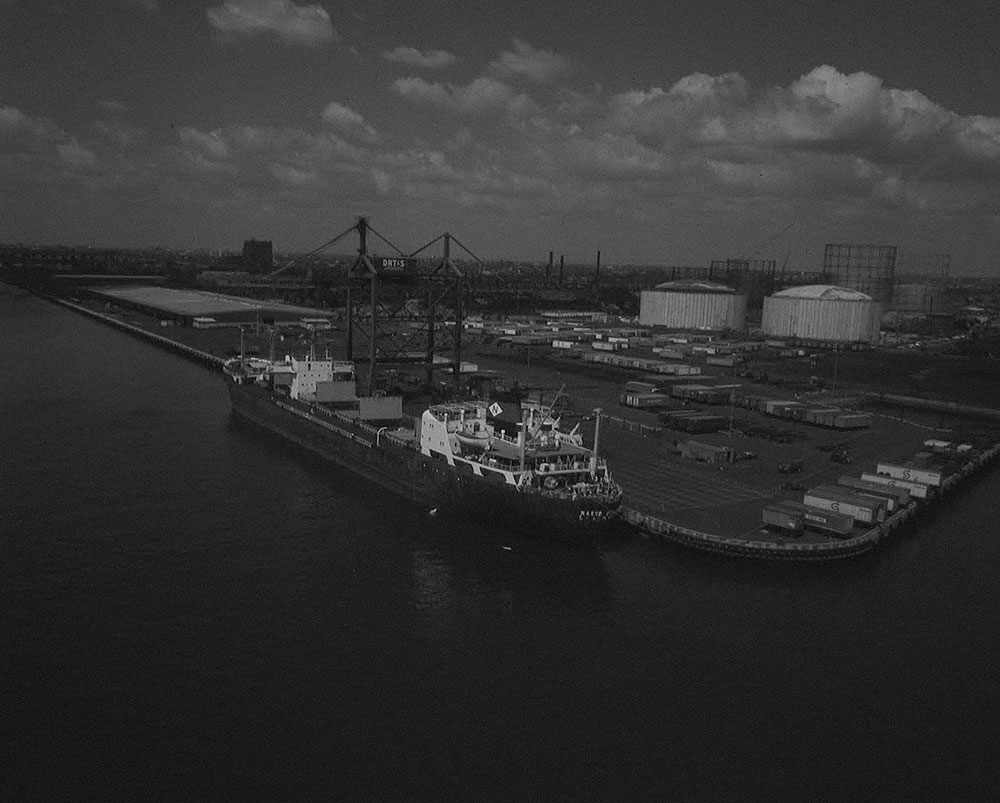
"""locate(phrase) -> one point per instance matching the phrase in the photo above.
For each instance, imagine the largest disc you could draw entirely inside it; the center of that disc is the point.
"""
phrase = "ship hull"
(423, 480)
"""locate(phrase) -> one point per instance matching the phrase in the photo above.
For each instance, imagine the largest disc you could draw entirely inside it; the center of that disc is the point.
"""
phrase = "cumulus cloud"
(112, 106)
(482, 96)
(75, 156)
(212, 144)
(825, 145)
(12, 118)
(292, 176)
(348, 122)
(24, 129)
(431, 175)
(845, 138)
(292, 23)
(823, 110)
(426, 59)
(524, 61)
(612, 157)
(119, 133)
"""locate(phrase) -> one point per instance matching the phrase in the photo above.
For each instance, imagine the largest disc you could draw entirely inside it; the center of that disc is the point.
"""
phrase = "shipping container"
(670, 353)
(827, 521)
(687, 391)
(723, 362)
(773, 404)
(699, 424)
(898, 497)
(663, 382)
(647, 401)
(669, 416)
(634, 386)
(795, 412)
(853, 421)
(827, 418)
(917, 489)
(705, 453)
(789, 410)
(830, 497)
(783, 517)
(821, 416)
(904, 472)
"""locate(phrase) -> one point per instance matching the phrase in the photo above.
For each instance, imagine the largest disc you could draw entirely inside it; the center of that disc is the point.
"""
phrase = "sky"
(656, 132)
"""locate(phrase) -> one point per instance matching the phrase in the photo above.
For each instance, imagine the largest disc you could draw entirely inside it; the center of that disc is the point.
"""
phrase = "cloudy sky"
(658, 132)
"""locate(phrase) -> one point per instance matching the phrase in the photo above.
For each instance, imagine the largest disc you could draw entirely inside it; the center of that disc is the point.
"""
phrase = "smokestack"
(548, 268)
(562, 257)
(597, 273)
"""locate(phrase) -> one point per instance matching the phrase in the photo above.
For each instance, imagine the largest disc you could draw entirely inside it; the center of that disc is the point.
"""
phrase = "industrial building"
(822, 313)
(693, 304)
(188, 307)
(258, 256)
(868, 268)
(917, 298)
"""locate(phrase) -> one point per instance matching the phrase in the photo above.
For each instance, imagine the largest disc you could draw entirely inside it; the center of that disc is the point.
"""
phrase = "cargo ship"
(455, 457)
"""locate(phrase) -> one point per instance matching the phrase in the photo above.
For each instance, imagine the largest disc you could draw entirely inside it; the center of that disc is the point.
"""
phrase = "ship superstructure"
(455, 455)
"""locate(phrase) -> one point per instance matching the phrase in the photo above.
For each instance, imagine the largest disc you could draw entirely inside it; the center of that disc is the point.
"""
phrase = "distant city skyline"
(657, 133)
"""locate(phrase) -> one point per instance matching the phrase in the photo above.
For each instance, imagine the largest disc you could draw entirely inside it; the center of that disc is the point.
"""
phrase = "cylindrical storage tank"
(686, 304)
(822, 312)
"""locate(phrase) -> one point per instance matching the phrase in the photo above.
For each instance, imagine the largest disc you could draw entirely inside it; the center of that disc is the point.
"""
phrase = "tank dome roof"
(827, 292)
(694, 286)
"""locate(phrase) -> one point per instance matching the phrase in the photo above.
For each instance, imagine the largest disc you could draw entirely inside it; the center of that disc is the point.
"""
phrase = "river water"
(191, 609)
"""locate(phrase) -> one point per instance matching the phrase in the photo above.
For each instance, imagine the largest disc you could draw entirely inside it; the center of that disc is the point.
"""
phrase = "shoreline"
(646, 524)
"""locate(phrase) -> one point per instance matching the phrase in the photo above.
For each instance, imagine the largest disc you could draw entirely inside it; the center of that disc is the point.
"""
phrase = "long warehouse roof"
(200, 303)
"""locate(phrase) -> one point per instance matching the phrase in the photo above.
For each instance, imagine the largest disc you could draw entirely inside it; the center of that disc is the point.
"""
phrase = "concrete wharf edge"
(645, 523)
(203, 357)
(660, 529)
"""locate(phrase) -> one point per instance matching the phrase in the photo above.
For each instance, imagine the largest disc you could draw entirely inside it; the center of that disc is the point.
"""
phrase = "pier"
(647, 516)
(654, 527)
(197, 355)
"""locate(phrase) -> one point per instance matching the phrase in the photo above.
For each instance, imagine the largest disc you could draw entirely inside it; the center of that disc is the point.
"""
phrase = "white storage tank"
(822, 312)
(693, 304)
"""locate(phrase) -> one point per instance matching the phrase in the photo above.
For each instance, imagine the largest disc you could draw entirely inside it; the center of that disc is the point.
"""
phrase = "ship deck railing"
(379, 433)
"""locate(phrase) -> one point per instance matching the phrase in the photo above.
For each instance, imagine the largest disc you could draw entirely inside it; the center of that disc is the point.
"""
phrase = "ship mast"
(597, 434)
(546, 413)
(523, 438)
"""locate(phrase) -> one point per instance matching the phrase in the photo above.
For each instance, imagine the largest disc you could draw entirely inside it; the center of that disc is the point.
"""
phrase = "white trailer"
(916, 489)
(921, 475)
(866, 510)
(897, 497)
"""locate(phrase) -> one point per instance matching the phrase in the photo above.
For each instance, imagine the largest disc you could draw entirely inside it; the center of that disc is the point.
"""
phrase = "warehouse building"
(693, 304)
(197, 307)
(822, 313)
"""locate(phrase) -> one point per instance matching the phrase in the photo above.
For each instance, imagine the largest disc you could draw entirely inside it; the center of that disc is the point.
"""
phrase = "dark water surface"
(193, 610)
